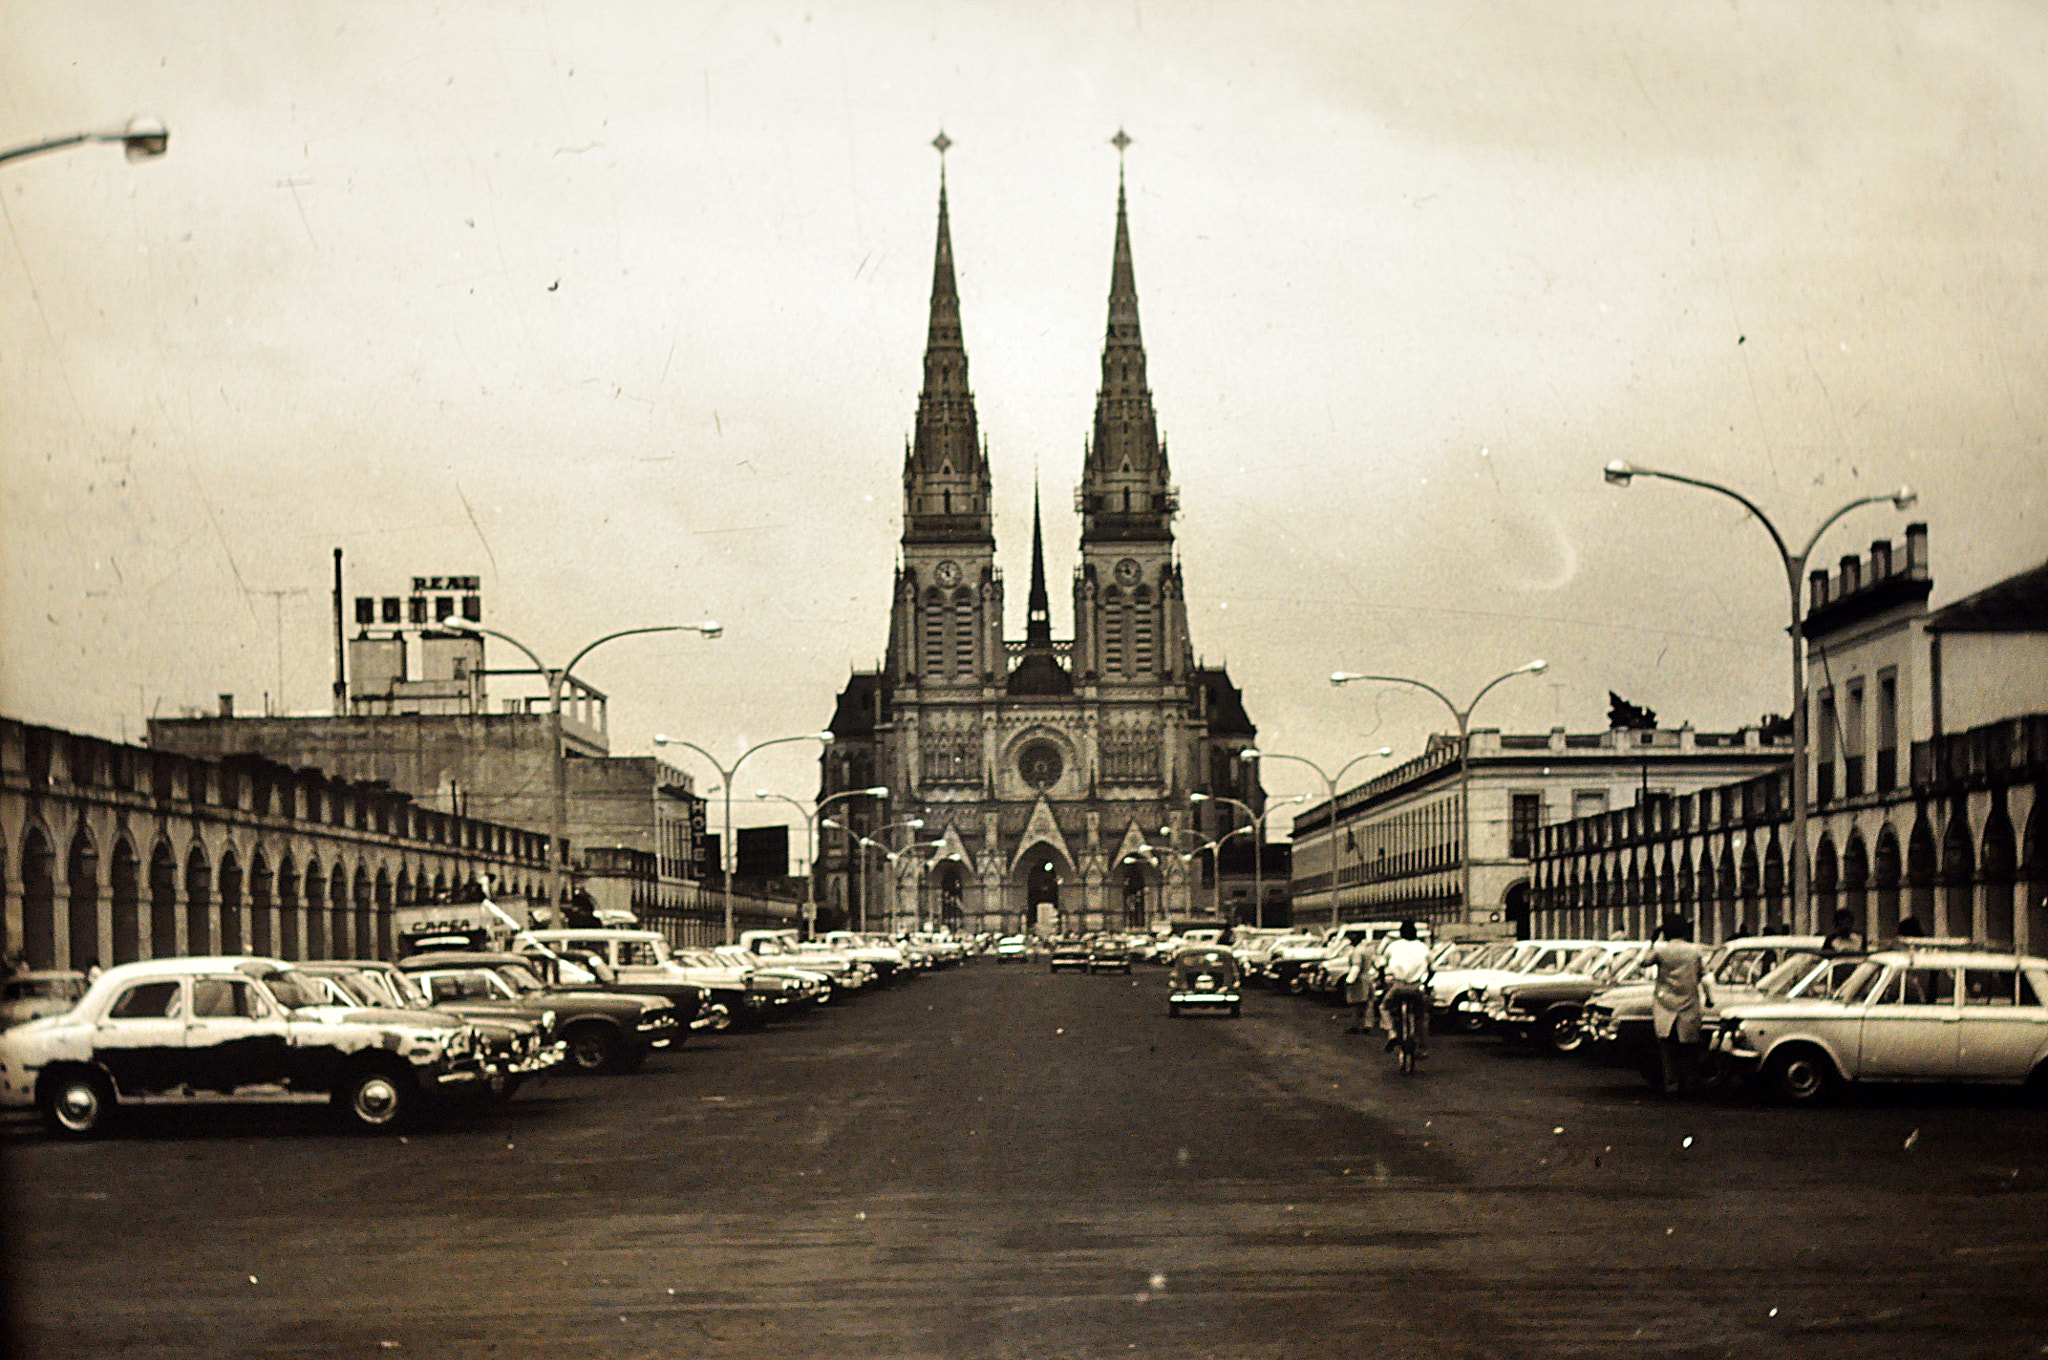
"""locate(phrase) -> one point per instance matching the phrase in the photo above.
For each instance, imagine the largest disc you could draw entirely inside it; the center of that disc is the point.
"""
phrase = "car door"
(1911, 1026)
(2004, 1025)
(234, 1036)
(140, 1040)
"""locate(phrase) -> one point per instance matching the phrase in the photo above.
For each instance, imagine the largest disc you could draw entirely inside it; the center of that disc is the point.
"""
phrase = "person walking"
(1844, 938)
(1678, 1002)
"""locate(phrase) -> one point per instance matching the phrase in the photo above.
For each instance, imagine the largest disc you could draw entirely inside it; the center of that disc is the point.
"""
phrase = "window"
(1887, 730)
(1919, 987)
(1852, 741)
(1141, 632)
(1112, 632)
(221, 998)
(1588, 803)
(1988, 986)
(638, 954)
(963, 632)
(147, 1001)
(934, 635)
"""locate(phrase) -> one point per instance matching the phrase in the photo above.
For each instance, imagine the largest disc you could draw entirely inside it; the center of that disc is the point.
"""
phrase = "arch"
(1920, 873)
(380, 928)
(1958, 877)
(316, 911)
(1684, 896)
(198, 901)
(289, 942)
(952, 891)
(1131, 891)
(1827, 873)
(1705, 892)
(1667, 881)
(82, 891)
(1886, 874)
(1855, 887)
(1042, 866)
(163, 901)
(340, 945)
(124, 883)
(232, 940)
(404, 889)
(38, 899)
(1777, 907)
(261, 886)
(364, 926)
(1999, 871)
(2035, 868)
(440, 886)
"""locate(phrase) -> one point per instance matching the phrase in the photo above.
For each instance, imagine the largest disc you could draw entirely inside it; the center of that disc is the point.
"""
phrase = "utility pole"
(277, 598)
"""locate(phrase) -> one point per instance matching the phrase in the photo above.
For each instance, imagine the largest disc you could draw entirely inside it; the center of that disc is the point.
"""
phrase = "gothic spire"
(1125, 479)
(1039, 671)
(945, 470)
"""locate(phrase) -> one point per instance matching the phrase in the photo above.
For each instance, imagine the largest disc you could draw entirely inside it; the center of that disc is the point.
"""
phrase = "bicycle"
(1407, 1004)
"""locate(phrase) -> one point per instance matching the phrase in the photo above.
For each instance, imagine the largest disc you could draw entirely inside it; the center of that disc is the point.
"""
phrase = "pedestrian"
(1911, 929)
(1844, 938)
(92, 974)
(1677, 1005)
(1358, 987)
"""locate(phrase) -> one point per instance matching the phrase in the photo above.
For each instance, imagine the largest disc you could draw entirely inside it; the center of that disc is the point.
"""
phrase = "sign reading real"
(434, 599)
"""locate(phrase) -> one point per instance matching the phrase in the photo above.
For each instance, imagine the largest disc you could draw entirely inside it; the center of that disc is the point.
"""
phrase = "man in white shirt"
(1405, 972)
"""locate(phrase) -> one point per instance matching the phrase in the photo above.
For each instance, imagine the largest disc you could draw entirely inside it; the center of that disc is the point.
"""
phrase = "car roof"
(462, 958)
(187, 965)
(42, 975)
(593, 933)
(1944, 956)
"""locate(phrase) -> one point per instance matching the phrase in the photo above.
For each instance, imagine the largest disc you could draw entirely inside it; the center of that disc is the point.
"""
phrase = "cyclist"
(1405, 973)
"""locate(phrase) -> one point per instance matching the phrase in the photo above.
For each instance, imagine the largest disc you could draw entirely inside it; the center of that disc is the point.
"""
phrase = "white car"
(230, 1029)
(1512, 962)
(1926, 1015)
(1011, 949)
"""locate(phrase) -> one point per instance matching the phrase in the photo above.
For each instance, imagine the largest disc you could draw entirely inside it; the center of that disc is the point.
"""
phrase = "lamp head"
(1388, 750)
(763, 793)
(145, 139)
(1905, 498)
(1343, 677)
(660, 740)
(1295, 798)
(825, 737)
(1533, 668)
(915, 823)
(877, 791)
(1619, 472)
(1250, 753)
(827, 821)
(1198, 798)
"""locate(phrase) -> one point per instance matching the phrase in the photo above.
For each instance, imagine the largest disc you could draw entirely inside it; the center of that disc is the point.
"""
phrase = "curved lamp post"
(728, 853)
(1259, 841)
(862, 844)
(1621, 473)
(810, 817)
(557, 851)
(1463, 717)
(143, 139)
(1330, 783)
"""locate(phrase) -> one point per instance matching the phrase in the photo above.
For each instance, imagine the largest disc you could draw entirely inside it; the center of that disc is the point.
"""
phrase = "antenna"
(277, 598)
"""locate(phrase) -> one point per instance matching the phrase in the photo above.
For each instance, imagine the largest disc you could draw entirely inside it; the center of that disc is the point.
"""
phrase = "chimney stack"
(1852, 574)
(1817, 589)
(1916, 550)
(227, 705)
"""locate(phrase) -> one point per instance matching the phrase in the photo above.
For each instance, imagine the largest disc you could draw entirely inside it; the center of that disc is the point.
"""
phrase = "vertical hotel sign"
(434, 600)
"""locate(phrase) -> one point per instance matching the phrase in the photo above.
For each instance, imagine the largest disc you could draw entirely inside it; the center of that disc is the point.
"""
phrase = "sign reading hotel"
(434, 600)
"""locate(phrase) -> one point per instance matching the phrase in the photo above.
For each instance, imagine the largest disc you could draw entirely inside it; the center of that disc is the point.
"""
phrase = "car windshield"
(517, 978)
(1791, 971)
(293, 990)
(1859, 982)
(1586, 960)
(28, 988)
(1622, 964)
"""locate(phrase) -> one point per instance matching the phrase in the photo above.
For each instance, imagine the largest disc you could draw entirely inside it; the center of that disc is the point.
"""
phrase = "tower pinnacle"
(1124, 486)
(945, 473)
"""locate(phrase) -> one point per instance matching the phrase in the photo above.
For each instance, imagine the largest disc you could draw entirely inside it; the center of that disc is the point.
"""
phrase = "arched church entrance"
(1135, 915)
(1042, 891)
(952, 894)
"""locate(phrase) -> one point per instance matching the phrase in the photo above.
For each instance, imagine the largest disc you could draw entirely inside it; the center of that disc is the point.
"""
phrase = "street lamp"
(557, 851)
(1215, 849)
(1143, 855)
(811, 839)
(1620, 473)
(1259, 842)
(142, 139)
(1329, 783)
(917, 865)
(1463, 716)
(728, 853)
(861, 844)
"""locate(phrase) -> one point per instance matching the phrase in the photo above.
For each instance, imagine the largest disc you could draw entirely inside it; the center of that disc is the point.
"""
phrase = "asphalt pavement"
(996, 1162)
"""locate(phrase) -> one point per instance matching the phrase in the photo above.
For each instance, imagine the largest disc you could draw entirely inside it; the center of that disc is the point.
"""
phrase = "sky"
(621, 308)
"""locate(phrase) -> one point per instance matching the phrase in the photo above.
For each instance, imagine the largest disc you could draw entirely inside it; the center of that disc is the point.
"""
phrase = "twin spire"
(1124, 491)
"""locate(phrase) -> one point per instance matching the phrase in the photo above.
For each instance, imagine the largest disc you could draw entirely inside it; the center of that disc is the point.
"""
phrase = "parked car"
(1109, 954)
(38, 992)
(1011, 949)
(1453, 991)
(1203, 977)
(802, 988)
(604, 1031)
(1902, 1015)
(627, 960)
(1548, 1009)
(1071, 952)
(513, 1047)
(886, 959)
(230, 1029)
(1617, 1024)
(1570, 966)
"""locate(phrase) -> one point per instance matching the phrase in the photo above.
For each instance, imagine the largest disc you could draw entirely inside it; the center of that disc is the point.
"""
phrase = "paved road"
(994, 1162)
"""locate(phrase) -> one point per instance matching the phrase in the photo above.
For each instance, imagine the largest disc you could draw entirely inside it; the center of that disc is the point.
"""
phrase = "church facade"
(1036, 784)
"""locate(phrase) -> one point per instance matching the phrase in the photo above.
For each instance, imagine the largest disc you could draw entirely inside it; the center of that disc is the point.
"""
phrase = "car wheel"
(1173, 1010)
(76, 1103)
(1561, 1031)
(592, 1047)
(376, 1098)
(1800, 1076)
(1236, 1010)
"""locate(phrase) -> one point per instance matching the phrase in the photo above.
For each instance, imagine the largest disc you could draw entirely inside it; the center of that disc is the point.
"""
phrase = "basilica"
(1038, 784)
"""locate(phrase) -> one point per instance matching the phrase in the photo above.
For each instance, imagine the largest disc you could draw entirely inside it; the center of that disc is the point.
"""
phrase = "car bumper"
(1203, 998)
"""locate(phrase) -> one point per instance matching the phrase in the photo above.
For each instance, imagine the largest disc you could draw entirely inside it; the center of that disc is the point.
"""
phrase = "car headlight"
(547, 1022)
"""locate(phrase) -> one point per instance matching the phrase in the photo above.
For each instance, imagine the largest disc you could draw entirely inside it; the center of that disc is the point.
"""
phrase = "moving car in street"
(1011, 949)
(1203, 977)
(231, 1029)
(1109, 954)
(1901, 1015)
(604, 1031)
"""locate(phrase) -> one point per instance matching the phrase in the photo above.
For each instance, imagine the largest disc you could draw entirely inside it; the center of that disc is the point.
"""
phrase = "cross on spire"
(1120, 141)
(942, 141)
